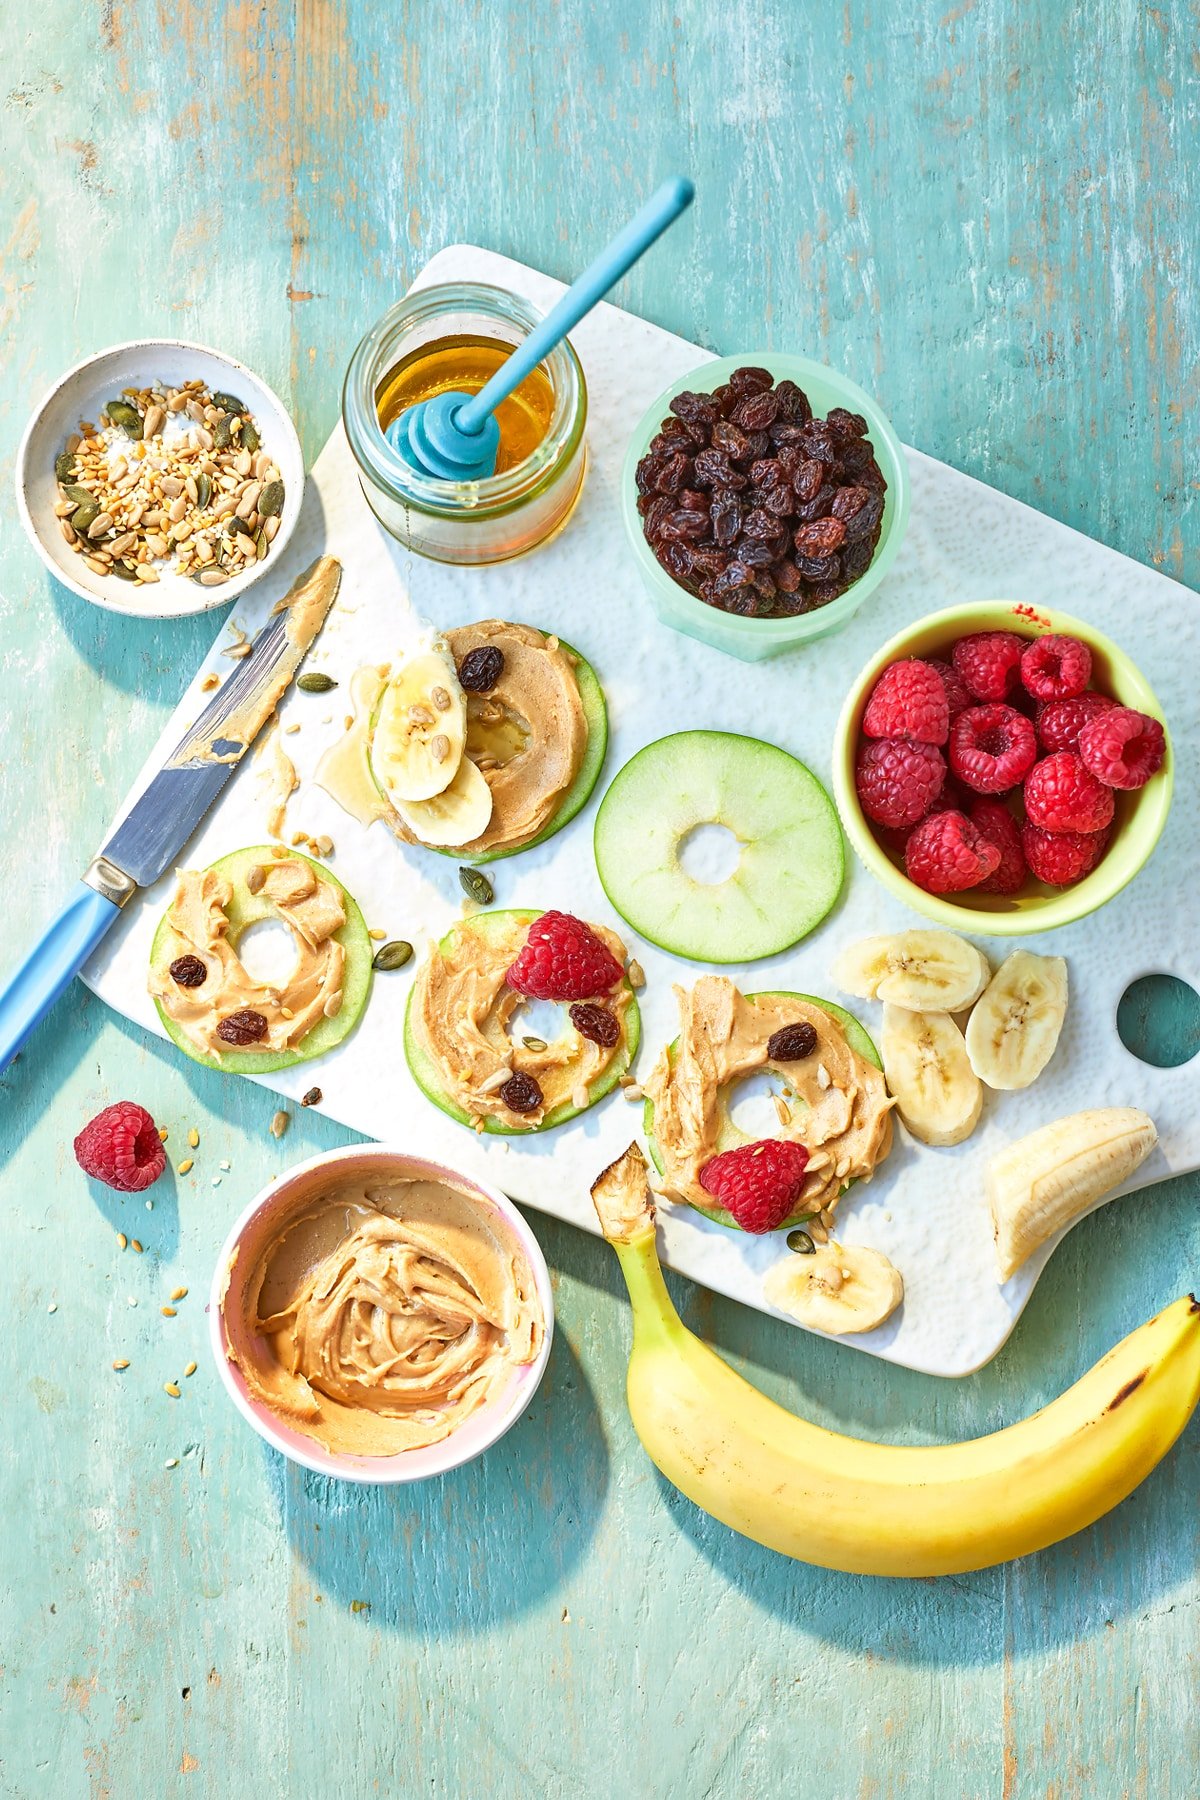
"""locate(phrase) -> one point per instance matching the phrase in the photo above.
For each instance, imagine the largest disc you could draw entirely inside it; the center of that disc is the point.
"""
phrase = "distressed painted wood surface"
(988, 213)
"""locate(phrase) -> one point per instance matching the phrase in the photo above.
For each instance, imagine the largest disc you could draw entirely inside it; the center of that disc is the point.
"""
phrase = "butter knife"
(167, 812)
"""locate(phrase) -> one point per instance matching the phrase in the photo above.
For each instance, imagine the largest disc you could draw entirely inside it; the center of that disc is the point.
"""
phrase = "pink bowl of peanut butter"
(380, 1318)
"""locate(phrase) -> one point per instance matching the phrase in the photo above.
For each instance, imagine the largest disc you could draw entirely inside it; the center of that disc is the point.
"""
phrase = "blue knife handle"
(49, 969)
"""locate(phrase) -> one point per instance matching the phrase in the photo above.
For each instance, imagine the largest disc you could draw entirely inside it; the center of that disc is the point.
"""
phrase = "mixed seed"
(169, 473)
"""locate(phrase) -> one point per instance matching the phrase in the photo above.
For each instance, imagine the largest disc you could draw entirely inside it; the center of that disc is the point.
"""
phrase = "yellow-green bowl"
(1137, 823)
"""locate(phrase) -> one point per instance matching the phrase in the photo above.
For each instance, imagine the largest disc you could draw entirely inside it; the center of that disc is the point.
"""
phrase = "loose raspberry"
(563, 959)
(1055, 667)
(957, 696)
(1123, 748)
(758, 1183)
(992, 819)
(909, 700)
(1060, 858)
(1062, 795)
(1059, 722)
(946, 854)
(121, 1147)
(989, 663)
(992, 748)
(898, 781)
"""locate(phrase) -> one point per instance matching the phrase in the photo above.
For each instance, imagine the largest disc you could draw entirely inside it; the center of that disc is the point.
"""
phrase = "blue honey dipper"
(455, 436)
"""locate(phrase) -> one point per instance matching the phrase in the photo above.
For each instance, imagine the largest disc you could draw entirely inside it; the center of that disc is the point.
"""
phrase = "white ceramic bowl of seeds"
(160, 478)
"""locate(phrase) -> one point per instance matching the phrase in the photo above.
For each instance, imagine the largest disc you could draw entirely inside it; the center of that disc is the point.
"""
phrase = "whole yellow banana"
(876, 1509)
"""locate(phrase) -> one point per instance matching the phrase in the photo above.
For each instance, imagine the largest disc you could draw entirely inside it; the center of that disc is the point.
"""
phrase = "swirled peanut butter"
(383, 1314)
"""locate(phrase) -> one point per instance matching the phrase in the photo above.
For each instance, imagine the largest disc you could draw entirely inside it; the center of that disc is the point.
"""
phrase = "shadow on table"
(483, 1543)
(152, 658)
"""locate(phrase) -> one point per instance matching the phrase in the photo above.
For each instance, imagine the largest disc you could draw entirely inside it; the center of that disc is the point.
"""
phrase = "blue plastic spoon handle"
(661, 210)
(50, 968)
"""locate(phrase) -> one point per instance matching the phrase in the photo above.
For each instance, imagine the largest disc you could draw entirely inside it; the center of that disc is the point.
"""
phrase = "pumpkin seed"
(801, 1243)
(227, 402)
(80, 495)
(270, 501)
(64, 466)
(532, 1043)
(240, 526)
(119, 412)
(222, 433)
(316, 683)
(476, 886)
(250, 438)
(203, 490)
(125, 570)
(85, 515)
(261, 543)
(393, 955)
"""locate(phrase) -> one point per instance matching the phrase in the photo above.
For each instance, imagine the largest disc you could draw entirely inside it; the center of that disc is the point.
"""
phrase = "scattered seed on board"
(163, 1134)
(191, 1369)
(122, 1362)
(476, 886)
(168, 1312)
(637, 975)
(225, 1164)
(136, 1245)
(313, 1097)
(376, 934)
(53, 1306)
(316, 682)
(194, 1138)
(172, 1462)
(216, 1181)
(122, 1241)
(179, 1293)
(279, 1124)
(186, 1166)
(393, 955)
(172, 1388)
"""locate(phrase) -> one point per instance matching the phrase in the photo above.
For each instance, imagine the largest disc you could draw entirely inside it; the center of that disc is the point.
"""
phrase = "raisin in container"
(443, 329)
(755, 639)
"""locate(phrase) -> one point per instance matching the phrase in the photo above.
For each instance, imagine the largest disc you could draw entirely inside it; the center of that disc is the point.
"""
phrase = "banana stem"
(654, 1316)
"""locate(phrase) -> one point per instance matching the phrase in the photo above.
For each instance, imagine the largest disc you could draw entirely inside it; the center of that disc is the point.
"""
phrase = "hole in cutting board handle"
(1158, 1020)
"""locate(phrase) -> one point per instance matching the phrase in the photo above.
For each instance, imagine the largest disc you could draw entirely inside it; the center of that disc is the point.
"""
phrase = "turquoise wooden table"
(986, 211)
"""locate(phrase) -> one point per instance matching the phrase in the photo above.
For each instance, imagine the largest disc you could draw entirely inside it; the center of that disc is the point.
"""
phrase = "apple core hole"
(709, 854)
(267, 952)
(545, 1019)
(750, 1105)
(1158, 1020)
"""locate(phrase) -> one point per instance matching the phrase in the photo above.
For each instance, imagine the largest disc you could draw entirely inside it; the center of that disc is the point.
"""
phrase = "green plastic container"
(753, 640)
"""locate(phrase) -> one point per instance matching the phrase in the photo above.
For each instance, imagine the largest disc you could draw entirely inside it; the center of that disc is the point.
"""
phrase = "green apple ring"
(790, 863)
(729, 1136)
(595, 713)
(246, 909)
(427, 1075)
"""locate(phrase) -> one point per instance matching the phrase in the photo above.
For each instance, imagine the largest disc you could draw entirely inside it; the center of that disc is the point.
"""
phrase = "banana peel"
(876, 1509)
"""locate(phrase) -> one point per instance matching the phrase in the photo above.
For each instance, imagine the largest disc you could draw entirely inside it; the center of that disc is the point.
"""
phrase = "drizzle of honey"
(464, 365)
(495, 739)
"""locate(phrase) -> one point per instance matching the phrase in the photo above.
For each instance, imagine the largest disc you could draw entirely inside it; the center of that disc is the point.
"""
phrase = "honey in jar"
(463, 365)
(453, 337)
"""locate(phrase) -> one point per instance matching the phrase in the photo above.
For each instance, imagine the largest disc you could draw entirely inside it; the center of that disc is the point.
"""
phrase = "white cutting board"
(925, 1208)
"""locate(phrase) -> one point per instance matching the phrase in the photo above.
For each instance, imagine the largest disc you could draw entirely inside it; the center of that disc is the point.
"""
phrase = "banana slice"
(1045, 1180)
(840, 1288)
(420, 730)
(938, 1094)
(1013, 1031)
(457, 815)
(926, 971)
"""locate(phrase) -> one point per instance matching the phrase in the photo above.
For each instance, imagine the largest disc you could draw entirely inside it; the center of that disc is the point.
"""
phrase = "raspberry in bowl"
(1034, 795)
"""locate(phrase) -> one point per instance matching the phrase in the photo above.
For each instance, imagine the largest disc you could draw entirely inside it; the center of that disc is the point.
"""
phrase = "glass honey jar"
(454, 336)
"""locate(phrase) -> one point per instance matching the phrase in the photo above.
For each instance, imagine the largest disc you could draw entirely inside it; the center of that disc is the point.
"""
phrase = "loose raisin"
(821, 538)
(596, 1023)
(792, 1042)
(481, 668)
(749, 379)
(521, 1093)
(188, 972)
(244, 1027)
